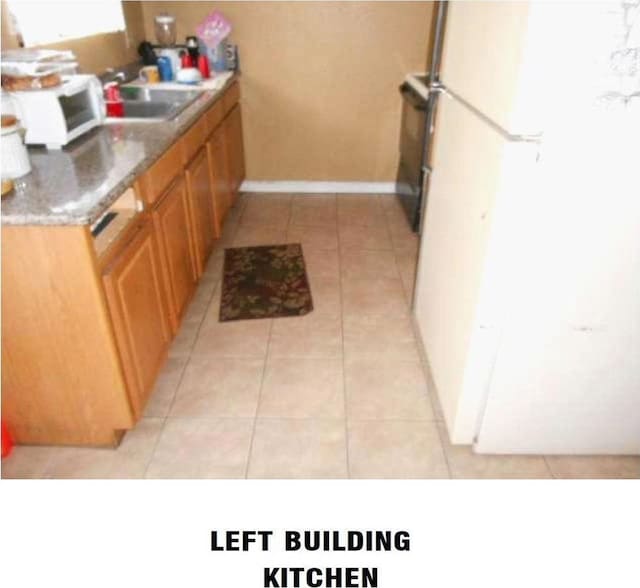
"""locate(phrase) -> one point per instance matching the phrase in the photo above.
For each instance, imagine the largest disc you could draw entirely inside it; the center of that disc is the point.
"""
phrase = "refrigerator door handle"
(495, 126)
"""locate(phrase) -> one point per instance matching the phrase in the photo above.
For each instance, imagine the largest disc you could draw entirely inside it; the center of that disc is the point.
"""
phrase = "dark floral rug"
(264, 282)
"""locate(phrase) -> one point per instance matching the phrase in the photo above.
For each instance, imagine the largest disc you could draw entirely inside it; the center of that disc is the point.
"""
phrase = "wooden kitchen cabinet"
(220, 182)
(172, 224)
(235, 149)
(201, 207)
(135, 297)
(86, 330)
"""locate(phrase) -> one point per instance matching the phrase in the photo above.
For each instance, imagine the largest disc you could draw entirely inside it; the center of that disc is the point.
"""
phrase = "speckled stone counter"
(76, 185)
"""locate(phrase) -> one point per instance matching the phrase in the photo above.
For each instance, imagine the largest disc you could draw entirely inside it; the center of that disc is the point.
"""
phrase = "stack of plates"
(37, 62)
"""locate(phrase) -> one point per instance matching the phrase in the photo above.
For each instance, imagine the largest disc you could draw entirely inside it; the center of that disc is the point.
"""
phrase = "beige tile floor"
(339, 393)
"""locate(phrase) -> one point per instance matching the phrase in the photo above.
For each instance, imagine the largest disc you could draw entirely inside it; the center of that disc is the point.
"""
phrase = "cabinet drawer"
(193, 140)
(231, 97)
(214, 116)
(156, 179)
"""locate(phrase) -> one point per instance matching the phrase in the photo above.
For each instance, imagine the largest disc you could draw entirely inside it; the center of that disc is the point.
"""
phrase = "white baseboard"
(303, 187)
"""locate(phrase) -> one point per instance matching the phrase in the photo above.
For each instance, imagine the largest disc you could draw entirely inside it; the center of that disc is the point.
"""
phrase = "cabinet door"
(217, 153)
(173, 228)
(235, 149)
(201, 204)
(136, 302)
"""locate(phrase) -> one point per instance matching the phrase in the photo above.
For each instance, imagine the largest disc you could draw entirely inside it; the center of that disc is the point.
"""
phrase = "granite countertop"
(76, 185)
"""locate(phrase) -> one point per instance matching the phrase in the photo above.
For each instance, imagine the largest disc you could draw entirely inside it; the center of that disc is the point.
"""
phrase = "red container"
(186, 61)
(203, 66)
(7, 441)
(115, 109)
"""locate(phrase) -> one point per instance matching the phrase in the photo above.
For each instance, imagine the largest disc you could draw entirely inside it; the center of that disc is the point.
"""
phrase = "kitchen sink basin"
(146, 94)
(153, 104)
(155, 110)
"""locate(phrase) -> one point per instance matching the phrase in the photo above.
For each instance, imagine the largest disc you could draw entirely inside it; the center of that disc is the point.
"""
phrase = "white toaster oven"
(56, 116)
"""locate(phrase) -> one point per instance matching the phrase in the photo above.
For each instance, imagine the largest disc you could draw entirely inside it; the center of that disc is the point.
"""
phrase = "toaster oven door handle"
(96, 87)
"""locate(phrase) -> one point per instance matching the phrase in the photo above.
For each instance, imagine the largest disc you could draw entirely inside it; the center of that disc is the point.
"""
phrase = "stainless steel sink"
(143, 104)
(155, 110)
(146, 94)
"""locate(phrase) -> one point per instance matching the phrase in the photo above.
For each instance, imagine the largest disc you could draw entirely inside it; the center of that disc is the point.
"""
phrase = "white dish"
(188, 75)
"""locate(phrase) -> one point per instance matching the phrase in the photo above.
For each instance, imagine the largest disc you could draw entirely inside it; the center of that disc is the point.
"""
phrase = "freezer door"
(478, 176)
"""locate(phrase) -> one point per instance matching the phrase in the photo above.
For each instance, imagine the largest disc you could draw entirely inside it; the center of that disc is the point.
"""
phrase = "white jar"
(15, 157)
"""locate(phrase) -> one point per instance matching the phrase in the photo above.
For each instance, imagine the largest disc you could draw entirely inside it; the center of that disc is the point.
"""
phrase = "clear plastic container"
(15, 157)
(165, 27)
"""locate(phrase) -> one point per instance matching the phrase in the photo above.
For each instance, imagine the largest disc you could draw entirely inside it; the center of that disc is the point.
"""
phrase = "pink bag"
(213, 29)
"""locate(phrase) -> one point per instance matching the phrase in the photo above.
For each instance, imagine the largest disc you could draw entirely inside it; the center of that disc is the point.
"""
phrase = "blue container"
(164, 68)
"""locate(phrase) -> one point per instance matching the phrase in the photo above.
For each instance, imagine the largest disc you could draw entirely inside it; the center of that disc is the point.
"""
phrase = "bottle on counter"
(203, 66)
(113, 100)
(186, 60)
(165, 69)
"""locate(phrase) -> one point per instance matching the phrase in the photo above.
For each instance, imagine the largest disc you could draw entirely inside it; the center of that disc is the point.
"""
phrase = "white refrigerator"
(527, 296)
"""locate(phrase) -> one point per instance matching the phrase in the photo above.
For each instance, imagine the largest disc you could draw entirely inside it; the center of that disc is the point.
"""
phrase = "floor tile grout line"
(208, 418)
(264, 367)
(179, 383)
(246, 469)
(264, 371)
(259, 224)
(444, 451)
(408, 296)
(395, 252)
(344, 366)
(255, 416)
(300, 418)
(383, 226)
(432, 395)
(241, 214)
(549, 468)
(152, 453)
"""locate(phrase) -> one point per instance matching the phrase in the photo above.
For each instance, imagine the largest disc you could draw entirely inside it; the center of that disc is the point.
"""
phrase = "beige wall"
(320, 81)
(98, 52)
